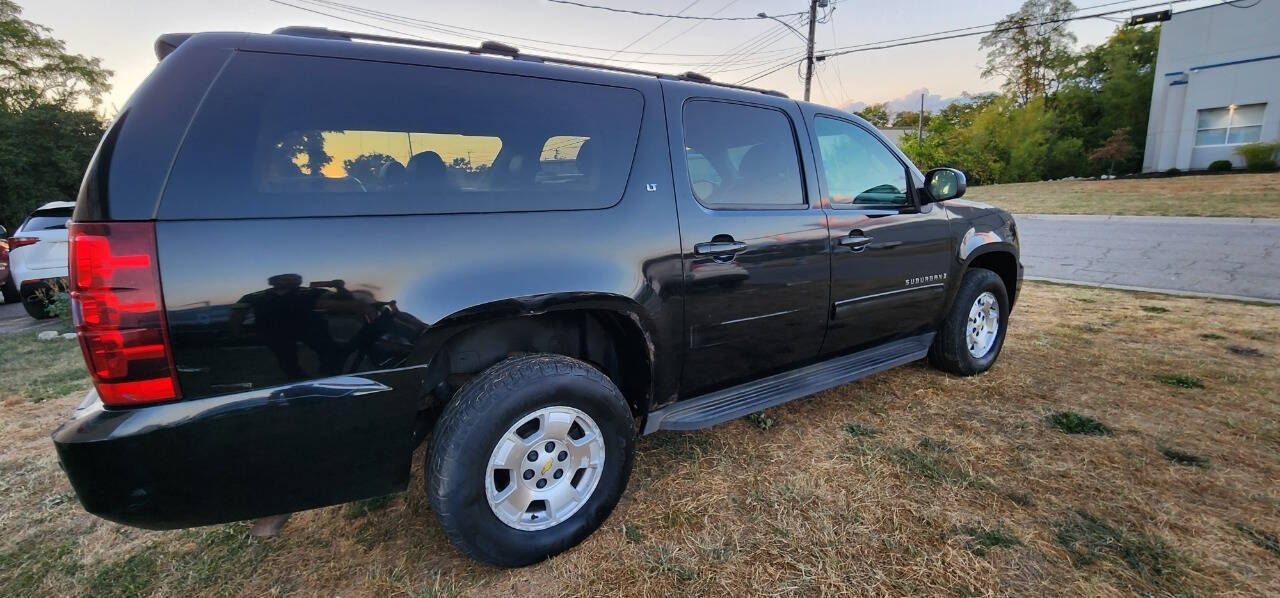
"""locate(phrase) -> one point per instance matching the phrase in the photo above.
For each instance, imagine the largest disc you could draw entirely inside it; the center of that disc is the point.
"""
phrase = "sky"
(122, 33)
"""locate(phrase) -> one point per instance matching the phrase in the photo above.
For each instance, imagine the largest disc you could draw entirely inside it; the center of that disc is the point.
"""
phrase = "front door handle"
(719, 247)
(855, 241)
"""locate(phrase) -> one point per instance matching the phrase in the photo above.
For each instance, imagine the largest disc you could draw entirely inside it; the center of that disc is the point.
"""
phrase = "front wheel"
(972, 335)
(529, 458)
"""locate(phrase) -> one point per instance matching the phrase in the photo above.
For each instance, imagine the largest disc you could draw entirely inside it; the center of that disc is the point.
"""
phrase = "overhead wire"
(654, 14)
(654, 29)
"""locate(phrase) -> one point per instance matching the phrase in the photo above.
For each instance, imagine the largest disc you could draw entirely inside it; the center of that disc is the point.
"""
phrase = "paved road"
(1237, 257)
(14, 318)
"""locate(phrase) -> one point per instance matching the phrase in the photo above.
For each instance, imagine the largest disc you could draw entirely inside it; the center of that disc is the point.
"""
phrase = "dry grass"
(910, 482)
(1246, 195)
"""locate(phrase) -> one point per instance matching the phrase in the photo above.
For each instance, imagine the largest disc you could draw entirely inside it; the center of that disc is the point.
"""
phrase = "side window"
(858, 168)
(741, 156)
(308, 136)
(50, 219)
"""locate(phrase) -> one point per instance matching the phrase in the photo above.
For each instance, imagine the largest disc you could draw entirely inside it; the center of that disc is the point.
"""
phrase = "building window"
(1230, 125)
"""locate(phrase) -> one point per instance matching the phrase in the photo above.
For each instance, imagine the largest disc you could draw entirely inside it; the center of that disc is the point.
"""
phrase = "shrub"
(1173, 171)
(1220, 166)
(1259, 155)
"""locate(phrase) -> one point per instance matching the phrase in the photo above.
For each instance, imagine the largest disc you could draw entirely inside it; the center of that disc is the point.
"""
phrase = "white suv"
(38, 255)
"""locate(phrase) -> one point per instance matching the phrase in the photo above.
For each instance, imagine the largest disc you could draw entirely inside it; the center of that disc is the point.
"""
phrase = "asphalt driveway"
(13, 318)
(1229, 257)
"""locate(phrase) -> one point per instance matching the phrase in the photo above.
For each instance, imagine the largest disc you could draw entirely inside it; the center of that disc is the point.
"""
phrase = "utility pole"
(920, 121)
(808, 60)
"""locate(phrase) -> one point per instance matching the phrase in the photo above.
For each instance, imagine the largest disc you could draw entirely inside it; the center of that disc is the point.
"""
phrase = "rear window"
(304, 136)
(50, 219)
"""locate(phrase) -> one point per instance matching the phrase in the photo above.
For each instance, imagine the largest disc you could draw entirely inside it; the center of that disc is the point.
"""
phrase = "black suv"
(297, 256)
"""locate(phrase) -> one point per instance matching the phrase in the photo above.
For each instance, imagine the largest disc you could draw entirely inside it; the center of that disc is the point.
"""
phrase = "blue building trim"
(1234, 62)
(1177, 83)
(1173, 74)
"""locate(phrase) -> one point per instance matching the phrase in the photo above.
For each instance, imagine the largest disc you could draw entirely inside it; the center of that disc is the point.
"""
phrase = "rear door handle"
(855, 242)
(719, 247)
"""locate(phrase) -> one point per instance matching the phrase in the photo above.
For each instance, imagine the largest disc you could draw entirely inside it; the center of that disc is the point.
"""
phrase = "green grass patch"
(936, 469)
(1074, 423)
(130, 577)
(983, 539)
(1209, 336)
(1184, 458)
(860, 431)
(36, 370)
(1154, 309)
(1262, 539)
(1180, 380)
(632, 533)
(1089, 539)
(360, 508)
(762, 421)
(23, 568)
(935, 445)
(679, 446)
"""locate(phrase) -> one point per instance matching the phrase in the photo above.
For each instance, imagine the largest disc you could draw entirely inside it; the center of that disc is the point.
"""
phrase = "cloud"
(910, 102)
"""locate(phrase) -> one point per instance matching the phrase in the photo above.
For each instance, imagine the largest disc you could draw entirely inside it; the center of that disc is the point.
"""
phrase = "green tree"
(36, 69)
(366, 168)
(876, 114)
(910, 119)
(1109, 89)
(47, 130)
(1029, 49)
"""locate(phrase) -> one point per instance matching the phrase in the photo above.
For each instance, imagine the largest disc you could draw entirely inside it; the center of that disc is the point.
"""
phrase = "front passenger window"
(858, 168)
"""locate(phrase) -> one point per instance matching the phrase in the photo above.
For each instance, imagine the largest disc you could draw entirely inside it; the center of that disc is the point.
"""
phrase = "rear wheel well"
(1004, 265)
(607, 340)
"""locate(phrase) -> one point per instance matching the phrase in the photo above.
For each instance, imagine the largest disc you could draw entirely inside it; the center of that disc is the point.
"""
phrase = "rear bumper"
(251, 454)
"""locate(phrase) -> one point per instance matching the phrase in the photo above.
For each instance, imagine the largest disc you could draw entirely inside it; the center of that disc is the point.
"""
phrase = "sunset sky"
(122, 33)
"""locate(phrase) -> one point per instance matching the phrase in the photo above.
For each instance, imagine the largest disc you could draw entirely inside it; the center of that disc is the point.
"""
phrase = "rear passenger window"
(293, 136)
(741, 156)
(50, 219)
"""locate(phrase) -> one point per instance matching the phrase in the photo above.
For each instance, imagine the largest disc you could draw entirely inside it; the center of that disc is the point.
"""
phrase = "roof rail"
(500, 49)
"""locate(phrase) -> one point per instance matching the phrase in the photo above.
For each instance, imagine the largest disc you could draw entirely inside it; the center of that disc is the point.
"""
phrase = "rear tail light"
(119, 312)
(16, 242)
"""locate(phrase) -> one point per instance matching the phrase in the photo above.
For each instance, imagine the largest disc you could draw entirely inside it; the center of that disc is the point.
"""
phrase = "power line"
(654, 14)
(489, 34)
(903, 41)
(693, 26)
(654, 30)
(430, 26)
(751, 47)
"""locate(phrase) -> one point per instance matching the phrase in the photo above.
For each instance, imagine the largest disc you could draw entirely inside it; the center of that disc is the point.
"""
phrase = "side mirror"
(944, 183)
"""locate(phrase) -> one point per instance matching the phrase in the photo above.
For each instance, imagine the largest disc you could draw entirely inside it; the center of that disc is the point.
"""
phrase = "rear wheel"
(971, 337)
(35, 299)
(529, 458)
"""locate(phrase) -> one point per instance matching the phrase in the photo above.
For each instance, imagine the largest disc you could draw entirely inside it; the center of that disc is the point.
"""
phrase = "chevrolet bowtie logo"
(546, 467)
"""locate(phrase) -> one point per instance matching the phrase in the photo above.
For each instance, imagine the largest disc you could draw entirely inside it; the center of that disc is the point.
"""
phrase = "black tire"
(950, 351)
(483, 411)
(33, 300)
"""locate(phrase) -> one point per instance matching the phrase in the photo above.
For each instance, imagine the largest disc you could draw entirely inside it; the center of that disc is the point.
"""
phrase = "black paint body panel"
(273, 422)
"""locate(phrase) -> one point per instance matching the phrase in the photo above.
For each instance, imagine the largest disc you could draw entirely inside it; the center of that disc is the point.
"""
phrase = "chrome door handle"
(855, 242)
(719, 247)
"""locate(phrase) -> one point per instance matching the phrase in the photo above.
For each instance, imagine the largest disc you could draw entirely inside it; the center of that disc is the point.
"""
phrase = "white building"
(1217, 85)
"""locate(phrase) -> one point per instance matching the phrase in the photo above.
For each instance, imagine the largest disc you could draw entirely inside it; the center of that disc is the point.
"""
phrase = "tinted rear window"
(50, 219)
(304, 136)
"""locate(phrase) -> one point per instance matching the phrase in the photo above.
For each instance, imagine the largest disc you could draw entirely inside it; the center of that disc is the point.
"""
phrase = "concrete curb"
(1125, 287)
(1151, 219)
